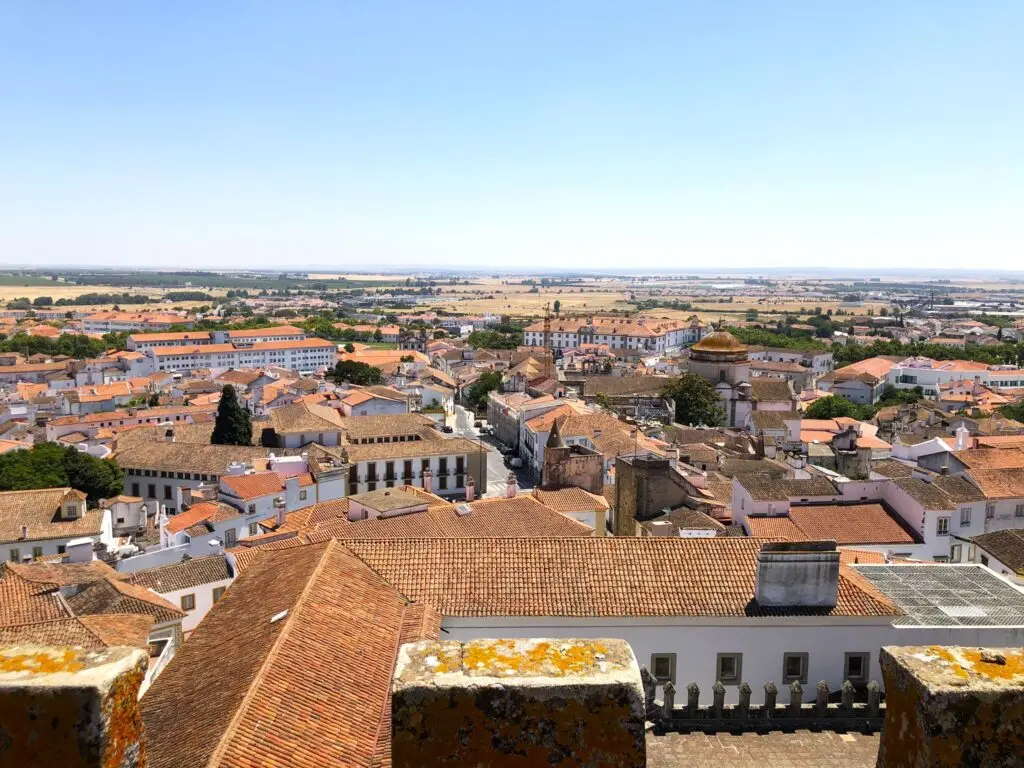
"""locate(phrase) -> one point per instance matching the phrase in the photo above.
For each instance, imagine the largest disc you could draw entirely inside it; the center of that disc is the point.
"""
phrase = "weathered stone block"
(511, 703)
(71, 708)
(949, 706)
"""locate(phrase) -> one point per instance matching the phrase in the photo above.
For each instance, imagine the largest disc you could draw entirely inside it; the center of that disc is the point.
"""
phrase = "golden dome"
(719, 341)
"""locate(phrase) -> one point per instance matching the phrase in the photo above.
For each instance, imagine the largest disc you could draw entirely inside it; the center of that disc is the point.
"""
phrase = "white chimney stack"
(963, 437)
(24, 532)
(513, 487)
(428, 480)
(279, 510)
(470, 488)
(794, 574)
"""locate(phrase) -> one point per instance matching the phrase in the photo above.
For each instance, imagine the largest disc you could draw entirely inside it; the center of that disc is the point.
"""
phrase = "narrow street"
(497, 471)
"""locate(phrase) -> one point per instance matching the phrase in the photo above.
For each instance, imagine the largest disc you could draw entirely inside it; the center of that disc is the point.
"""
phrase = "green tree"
(49, 465)
(42, 301)
(354, 372)
(377, 335)
(233, 425)
(350, 347)
(697, 401)
(604, 401)
(476, 396)
(837, 406)
(557, 306)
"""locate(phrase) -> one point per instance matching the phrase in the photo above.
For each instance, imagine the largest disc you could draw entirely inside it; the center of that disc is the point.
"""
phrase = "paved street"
(497, 472)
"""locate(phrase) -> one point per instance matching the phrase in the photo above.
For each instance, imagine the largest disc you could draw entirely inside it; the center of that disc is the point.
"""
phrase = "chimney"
(512, 488)
(963, 438)
(428, 480)
(797, 574)
(280, 508)
(24, 532)
(952, 706)
(470, 488)
(71, 707)
(169, 434)
(517, 703)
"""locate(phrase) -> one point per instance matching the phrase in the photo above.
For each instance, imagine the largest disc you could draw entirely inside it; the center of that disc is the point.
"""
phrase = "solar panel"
(948, 595)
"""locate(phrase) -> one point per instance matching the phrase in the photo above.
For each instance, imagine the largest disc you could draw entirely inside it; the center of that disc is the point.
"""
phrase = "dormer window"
(71, 510)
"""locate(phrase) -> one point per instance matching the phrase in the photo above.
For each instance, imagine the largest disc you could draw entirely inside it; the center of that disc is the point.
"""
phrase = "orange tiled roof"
(252, 486)
(646, 576)
(212, 511)
(321, 631)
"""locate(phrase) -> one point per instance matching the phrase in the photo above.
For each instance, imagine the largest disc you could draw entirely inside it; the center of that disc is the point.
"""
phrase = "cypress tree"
(233, 425)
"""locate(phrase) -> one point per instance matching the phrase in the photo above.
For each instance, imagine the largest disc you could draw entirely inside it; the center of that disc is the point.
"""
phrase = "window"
(151, 491)
(855, 667)
(188, 602)
(984, 560)
(729, 668)
(990, 510)
(135, 489)
(442, 482)
(252, 509)
(1018, 511)
(955, 553)
(61, 549)
(218, 593)
(371, 486)
(120, 521)
(254, 528)
(167, 492)
(663, 667)
(407, 470)
(942, 526)
(229, 537)
(965, 516)
(72, 510)
(794, 667)
(302, 495)
(353, 474)
(15, 556)
(37, 552)
(442, 465)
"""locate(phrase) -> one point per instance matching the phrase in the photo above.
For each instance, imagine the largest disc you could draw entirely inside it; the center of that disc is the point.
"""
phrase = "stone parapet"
(951, 706)
(71, 708)
(513, 703)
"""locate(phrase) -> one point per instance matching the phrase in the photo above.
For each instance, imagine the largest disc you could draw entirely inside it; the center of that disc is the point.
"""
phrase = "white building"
(50, 521)
(194, 585)
(637, 335)
(702, 609)
(299, 354)
(143, 342)
(117, 322)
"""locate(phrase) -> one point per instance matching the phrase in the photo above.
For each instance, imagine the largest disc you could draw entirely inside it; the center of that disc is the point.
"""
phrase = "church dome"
(719, 341)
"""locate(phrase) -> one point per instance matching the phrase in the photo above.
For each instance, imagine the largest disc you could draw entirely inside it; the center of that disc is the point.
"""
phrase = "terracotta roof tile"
(321, 632)
(257, 484)
(1006, 546)
(40, 511)
(999, 483)
(590, 576)
(184, 575)
(212, 511)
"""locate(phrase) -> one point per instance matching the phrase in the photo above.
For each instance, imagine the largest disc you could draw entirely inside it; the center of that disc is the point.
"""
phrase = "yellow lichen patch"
(967, 662)
(43, 662)
(1013, 668)
(551, 658)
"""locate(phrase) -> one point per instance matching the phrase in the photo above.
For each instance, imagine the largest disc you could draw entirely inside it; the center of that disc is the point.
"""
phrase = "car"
(447, 430)
(478, 425)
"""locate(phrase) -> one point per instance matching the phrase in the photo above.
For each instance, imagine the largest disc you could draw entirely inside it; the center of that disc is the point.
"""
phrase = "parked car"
(478, 425)
(446, 429)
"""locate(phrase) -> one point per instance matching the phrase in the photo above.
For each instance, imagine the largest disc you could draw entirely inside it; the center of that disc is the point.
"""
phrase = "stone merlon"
(949, 706)
(518, 703)
(71, 708)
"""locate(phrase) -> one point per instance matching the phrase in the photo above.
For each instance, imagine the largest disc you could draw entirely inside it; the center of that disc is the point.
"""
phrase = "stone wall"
(515, 703)
(71, 708)
(950, 706)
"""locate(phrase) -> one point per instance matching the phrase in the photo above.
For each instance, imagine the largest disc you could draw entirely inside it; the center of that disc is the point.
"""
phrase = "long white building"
(640, 335)
(284, 346)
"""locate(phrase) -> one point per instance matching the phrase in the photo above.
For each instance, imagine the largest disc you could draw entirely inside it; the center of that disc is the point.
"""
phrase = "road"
(497, 472)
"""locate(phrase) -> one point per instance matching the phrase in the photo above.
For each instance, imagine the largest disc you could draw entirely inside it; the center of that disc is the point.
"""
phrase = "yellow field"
(64, 291)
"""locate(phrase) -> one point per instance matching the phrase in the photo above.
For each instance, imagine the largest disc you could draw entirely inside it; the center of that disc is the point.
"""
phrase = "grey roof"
(948, 595)
(1006, 546)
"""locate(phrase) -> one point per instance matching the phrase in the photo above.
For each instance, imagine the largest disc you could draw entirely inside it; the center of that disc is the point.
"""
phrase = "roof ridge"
(272, 655)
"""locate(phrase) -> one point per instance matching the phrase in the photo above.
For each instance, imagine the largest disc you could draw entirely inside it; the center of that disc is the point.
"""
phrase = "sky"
(673, 135)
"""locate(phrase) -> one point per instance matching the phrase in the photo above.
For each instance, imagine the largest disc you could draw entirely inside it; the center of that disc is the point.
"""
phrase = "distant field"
(65, 291)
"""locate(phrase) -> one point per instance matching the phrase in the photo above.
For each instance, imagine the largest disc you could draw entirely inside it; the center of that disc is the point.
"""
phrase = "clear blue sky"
(351, 135)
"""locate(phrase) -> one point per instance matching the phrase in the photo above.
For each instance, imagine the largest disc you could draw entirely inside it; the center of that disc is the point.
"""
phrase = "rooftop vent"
(278, 616)
(463, 509)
